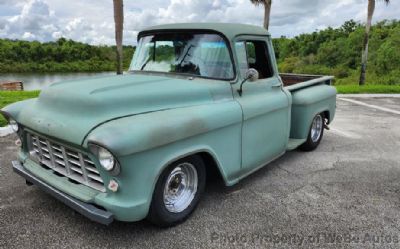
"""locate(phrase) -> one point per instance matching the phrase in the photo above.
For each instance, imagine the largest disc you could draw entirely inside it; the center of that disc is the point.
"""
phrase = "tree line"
(332, 51)
(60, 56)
(364, 58)
(338, 51)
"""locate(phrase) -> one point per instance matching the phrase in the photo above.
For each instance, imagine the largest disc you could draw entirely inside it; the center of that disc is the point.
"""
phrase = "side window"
(251, 53)
(254, 54)
(259, 58)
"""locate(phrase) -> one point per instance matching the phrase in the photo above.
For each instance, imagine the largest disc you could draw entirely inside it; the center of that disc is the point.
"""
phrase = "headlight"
(106, 159)
(14, 125)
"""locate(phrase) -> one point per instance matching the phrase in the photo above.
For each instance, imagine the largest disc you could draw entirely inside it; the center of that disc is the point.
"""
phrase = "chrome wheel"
(180, 187)
(316, 128)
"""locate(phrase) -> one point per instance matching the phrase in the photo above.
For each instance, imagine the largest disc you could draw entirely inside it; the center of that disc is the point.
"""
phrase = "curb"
(5, 131)
(368, 95)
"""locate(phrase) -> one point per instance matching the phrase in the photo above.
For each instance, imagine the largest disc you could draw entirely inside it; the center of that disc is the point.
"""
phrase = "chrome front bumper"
(88, 210)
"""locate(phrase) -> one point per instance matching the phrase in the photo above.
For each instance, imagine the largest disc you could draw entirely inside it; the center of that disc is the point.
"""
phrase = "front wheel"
(177, 192)
(315, 134)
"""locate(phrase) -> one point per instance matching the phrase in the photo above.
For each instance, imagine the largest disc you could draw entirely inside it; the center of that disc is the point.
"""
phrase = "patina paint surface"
(148, 121)
(69, 110)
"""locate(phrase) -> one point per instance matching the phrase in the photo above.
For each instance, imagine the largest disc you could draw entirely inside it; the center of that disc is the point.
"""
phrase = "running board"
(294, 143)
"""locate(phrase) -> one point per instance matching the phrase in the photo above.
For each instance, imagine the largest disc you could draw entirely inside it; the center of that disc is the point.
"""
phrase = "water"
(38, 81)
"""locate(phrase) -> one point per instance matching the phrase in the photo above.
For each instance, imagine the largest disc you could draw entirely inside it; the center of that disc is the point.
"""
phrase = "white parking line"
(371, 106)
(344, 133)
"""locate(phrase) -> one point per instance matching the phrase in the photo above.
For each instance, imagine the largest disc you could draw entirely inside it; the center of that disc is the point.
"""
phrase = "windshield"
(204, 55)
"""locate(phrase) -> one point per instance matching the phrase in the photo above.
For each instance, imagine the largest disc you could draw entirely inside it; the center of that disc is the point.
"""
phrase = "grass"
(347, 89)
(9, 97)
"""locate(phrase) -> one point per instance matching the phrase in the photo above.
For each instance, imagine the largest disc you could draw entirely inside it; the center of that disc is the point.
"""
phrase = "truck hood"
(70, 110)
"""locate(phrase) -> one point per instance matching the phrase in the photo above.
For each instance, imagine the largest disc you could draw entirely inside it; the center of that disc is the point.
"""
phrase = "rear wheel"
(177, 192)
(315, 134)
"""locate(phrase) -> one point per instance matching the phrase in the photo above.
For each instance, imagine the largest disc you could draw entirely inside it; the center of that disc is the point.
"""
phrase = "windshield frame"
(197, 31)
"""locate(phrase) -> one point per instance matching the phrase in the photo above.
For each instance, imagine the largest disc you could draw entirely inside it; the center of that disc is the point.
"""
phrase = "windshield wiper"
(186, 54)
(145, 64)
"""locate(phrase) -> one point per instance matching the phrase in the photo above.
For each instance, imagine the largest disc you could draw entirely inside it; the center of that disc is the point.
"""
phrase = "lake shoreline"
(38, 81)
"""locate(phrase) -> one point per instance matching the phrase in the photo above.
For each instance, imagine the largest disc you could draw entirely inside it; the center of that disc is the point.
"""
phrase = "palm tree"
(371, 9)
(267, 10)
(119, 27)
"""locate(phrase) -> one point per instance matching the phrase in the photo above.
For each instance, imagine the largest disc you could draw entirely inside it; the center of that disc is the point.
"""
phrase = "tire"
(169, 190)
(315, 133)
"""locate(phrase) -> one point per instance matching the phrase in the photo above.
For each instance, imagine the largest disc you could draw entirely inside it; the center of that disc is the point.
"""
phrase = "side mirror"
(251, 75)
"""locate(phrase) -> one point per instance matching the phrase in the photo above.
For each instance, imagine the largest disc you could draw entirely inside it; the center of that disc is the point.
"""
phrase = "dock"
(11, 86)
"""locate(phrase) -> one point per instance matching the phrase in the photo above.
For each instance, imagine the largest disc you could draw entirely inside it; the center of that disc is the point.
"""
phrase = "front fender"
(147, 143)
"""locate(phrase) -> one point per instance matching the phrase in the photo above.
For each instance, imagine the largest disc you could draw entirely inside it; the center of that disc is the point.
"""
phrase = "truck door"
(265, 129)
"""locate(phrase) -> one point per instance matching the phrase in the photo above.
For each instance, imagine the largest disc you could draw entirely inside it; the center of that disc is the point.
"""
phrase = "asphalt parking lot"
(345, 194)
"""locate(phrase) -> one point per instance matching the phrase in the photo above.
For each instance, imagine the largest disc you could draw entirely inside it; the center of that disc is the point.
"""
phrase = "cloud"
(177, 11)
(90, 22)
(28, 36)
(32, 22)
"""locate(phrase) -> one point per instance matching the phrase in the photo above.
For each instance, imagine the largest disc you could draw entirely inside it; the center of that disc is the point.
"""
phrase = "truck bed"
(293, 82)
(311, 94)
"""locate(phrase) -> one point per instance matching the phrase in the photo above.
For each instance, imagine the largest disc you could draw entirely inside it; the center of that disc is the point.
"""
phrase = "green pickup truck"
(199, 99)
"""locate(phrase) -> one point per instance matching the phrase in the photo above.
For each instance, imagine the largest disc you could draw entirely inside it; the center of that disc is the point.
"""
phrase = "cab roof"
(230, 30)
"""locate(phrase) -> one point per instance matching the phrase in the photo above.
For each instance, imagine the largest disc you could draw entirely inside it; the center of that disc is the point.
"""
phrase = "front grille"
(65, 161)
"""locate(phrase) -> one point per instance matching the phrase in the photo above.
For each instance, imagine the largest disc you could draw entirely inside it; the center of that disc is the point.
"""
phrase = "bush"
(341, 72)
(338, 52)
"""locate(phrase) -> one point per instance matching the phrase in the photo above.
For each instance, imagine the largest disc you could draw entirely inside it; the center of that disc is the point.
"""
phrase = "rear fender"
(307, 103)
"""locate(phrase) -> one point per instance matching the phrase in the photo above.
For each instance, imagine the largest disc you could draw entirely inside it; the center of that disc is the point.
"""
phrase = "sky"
(93, 22)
